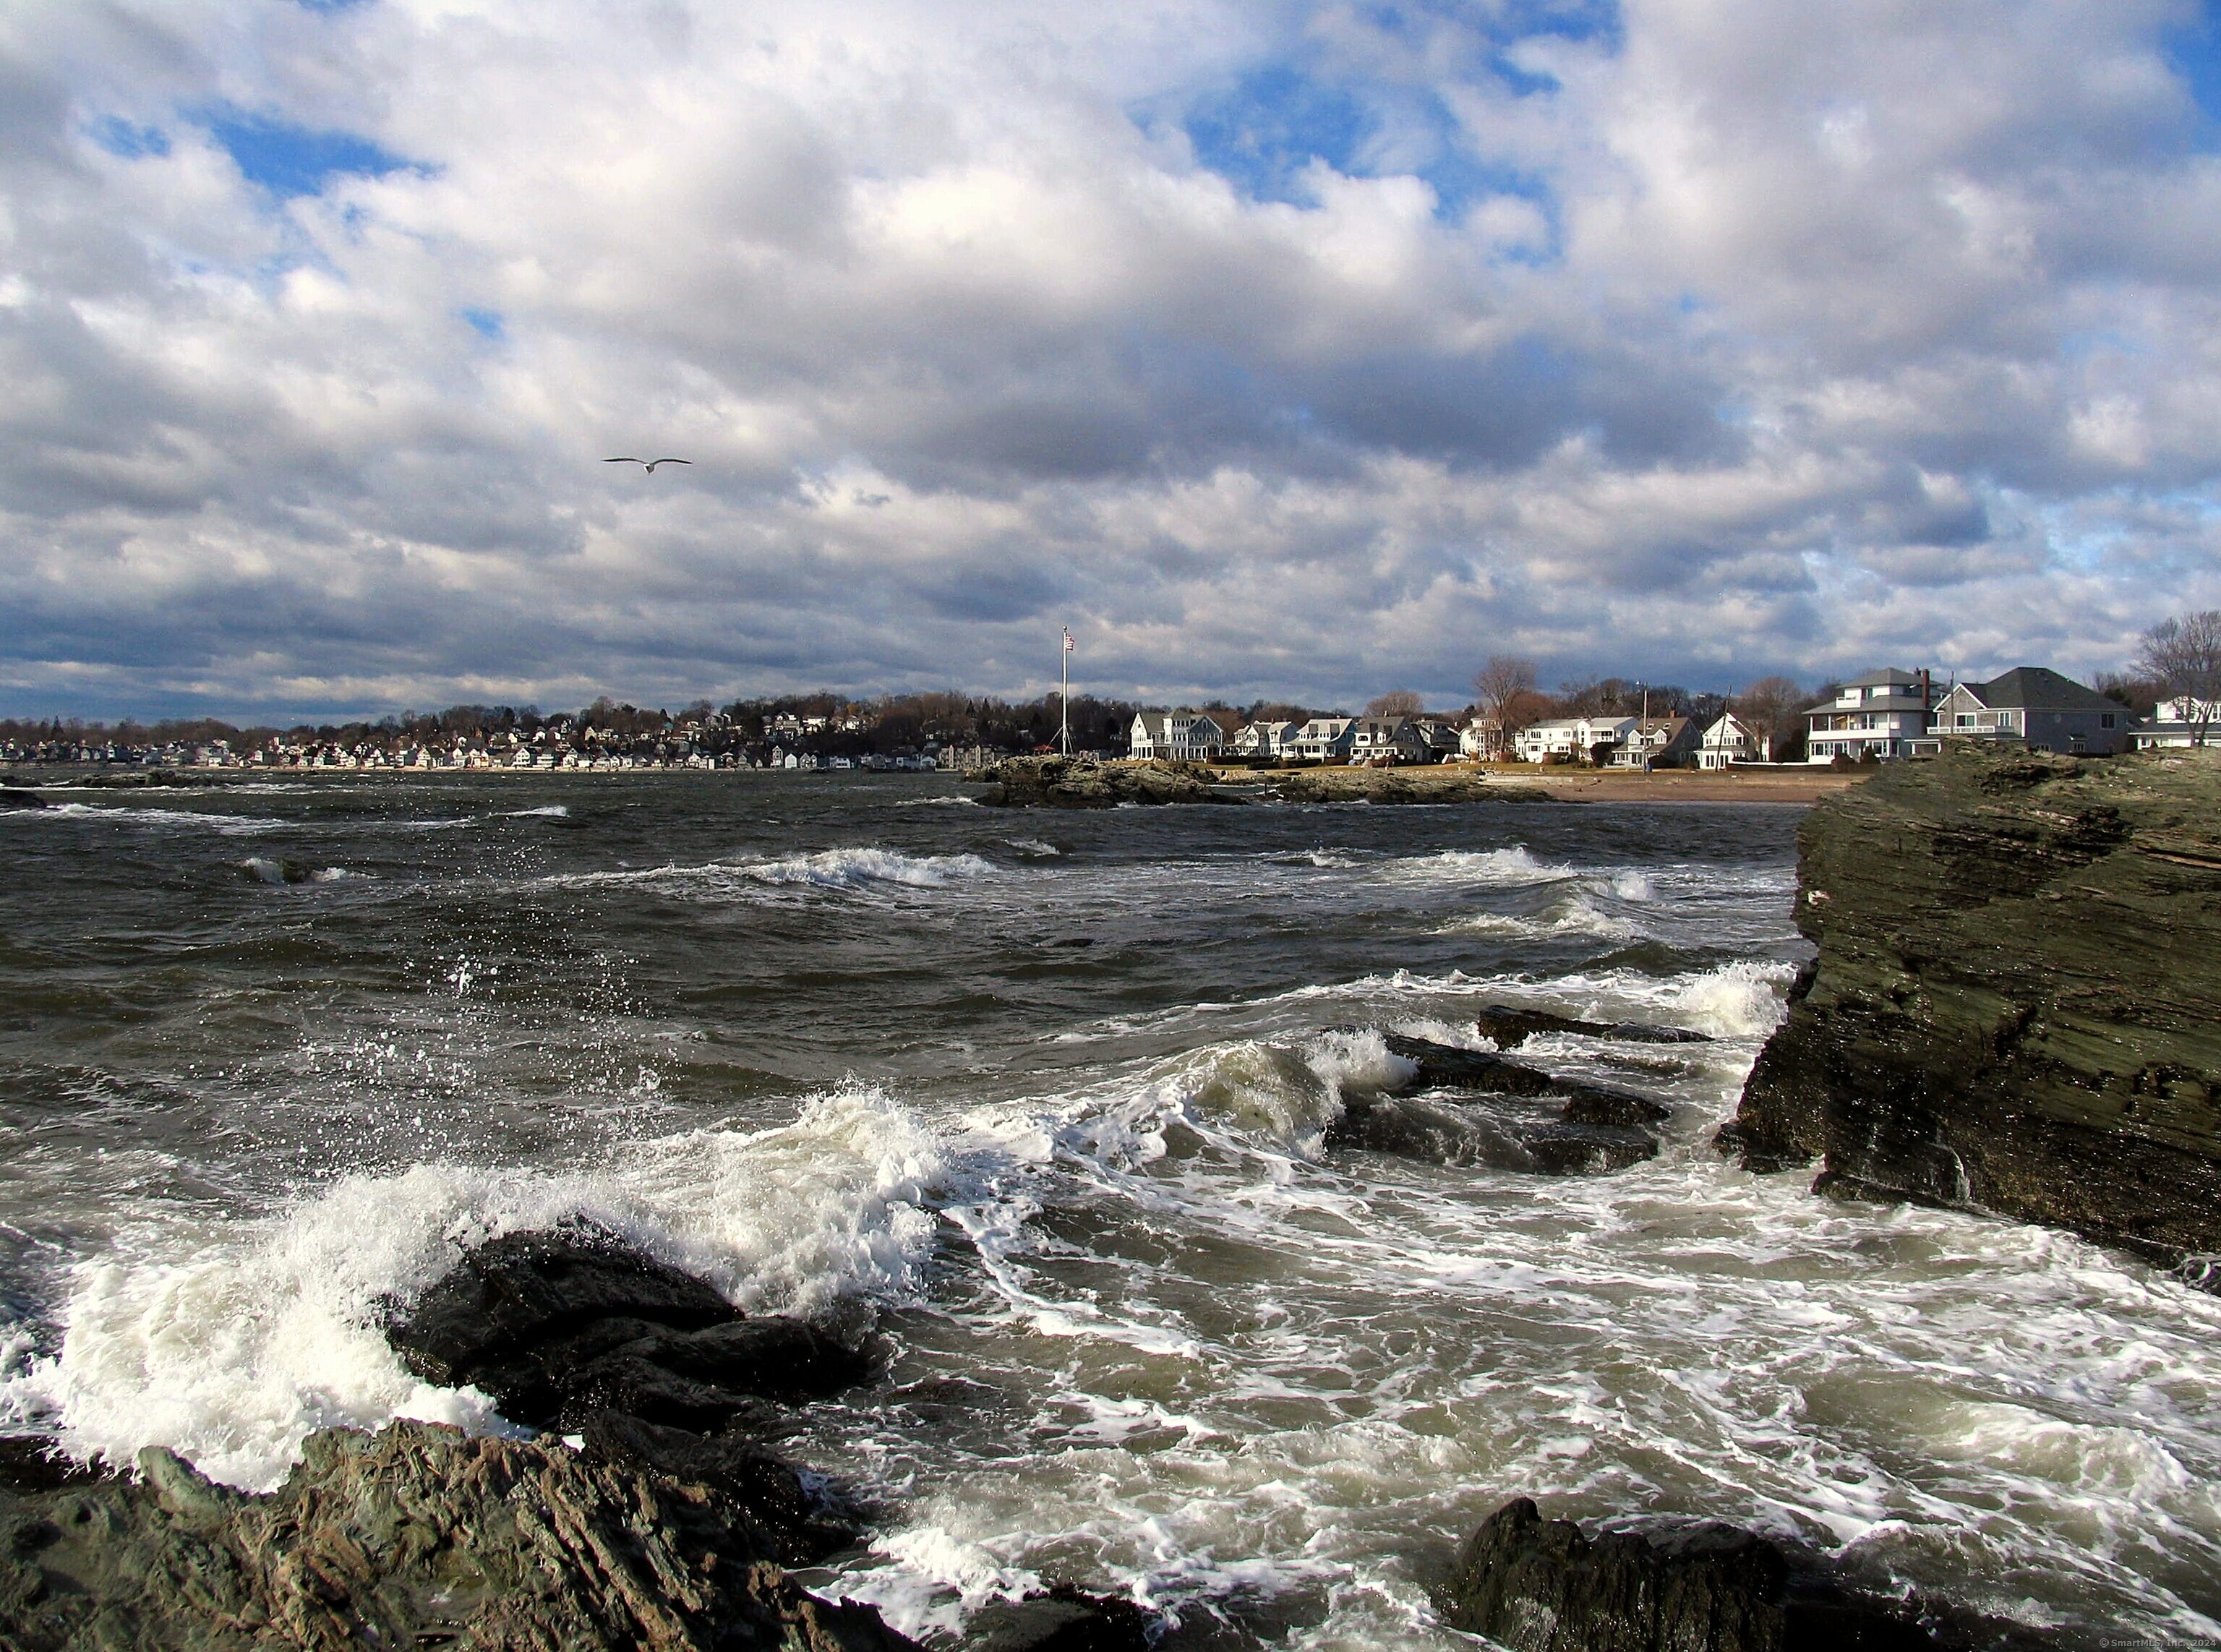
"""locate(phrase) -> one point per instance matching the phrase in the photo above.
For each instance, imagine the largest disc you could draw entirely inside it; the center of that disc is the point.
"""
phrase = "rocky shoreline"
(2016, 1006)
(1084, 783)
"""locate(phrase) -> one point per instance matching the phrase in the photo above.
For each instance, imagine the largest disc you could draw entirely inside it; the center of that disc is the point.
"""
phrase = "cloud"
(1287, 349)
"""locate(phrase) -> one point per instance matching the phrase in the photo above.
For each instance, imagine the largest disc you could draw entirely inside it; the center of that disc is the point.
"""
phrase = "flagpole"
(1064, 700)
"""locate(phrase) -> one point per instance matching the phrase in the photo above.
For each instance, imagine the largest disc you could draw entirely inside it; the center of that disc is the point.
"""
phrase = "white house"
(1186, 736)
(1574, 740)
(2183, 721)
(1264, 739)
(1884, 712)
(1324, 739)
(1481, 740)
(2033, 707)
(1659, 742)
(1729, 742)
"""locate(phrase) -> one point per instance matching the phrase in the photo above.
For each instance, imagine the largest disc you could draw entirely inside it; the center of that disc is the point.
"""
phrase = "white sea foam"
(1572, 915)
(835, 869)
(269, 871)
(1506, 868)
(546, 810)
(232, 1344)
(1034, 845)
(183, 819)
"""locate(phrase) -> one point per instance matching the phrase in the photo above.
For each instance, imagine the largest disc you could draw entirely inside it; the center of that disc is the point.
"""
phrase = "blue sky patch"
(2195, 54)
(486, 323)
(119, 137)
(292, 161)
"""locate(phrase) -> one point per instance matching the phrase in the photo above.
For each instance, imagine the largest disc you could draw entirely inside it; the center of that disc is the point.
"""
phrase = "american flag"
(1069, 644)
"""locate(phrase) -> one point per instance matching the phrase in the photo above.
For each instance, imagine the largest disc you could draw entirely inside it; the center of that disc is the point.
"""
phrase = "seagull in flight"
(650, 463)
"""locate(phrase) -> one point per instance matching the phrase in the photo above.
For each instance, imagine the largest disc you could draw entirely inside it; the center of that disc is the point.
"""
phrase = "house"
(1573, 739)
(1659, 742)
(1729, 742)
(1386, 739)
(1481, 740)
(1263, 738)
(2033, 707)
(1438, 738)
(1185, 736)
(1882, 713)
(2183, 721)
(1324, 739)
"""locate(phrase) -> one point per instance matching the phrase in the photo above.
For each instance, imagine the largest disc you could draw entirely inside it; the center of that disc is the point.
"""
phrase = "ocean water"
(1042, 1097)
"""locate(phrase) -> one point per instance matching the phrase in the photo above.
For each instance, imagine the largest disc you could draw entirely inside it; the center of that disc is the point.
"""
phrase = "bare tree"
(1396, 703)
(2185, 654)
(1503, 682)
(1770, 706)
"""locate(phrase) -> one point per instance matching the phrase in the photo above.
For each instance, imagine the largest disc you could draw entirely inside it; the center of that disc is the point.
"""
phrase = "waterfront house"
(1729, 742)
(2183, 721)
(1187, 736)
(1264, 739)
(1883, 714)
(1481, 740)
(1324, 739)
(1658, 742)
(1438, 739)
(2037, 707)
(1573, 739)
(1386, 739)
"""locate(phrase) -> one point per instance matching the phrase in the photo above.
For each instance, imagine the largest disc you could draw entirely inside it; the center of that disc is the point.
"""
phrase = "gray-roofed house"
(1883, 714)
(2037, 707)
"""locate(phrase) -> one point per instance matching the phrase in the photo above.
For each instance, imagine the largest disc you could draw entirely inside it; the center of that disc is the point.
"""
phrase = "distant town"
(1881, 716)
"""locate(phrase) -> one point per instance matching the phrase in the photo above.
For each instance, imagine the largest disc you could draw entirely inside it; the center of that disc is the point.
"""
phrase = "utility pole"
(1064, 700)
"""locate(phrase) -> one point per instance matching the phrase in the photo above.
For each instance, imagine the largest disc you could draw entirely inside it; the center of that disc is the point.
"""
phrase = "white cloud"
(1770, 337)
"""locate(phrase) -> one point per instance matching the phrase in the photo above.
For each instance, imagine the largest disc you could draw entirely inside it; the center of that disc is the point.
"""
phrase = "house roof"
(1887, 678)
(2036, 688)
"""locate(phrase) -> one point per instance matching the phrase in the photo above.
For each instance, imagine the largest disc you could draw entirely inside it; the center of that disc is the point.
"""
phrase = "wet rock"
(17, 797)
(2016, 1005)
(1060, 1620)
(1533, 1584)
(1510, 1026)
(517, 1292)
(416, 1537)
(795, 1529)
(1447, 1066)
(1464, 1132)
(29, 1463)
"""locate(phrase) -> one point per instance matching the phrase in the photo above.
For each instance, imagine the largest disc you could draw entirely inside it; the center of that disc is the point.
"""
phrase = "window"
(2105, 720)
(1963, 720)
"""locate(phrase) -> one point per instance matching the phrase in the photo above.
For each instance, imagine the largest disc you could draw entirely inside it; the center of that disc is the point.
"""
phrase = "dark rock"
(1447, 1066)
(1622, 1108)
(765, 1485)
(1512, 1026)
(17, 797)
(1061, 1620)
(1430, 783)
(528, 1288)
(416, 1537)
(1084, 783)
(28, 1463)
(2016, 1005)
(1463, 1132)
(1533, 1584)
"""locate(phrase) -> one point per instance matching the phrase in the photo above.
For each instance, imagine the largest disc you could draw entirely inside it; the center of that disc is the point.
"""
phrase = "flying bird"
(650, 463)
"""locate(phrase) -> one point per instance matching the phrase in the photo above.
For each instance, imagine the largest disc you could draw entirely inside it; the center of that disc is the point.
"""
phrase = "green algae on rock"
(2016, 1006)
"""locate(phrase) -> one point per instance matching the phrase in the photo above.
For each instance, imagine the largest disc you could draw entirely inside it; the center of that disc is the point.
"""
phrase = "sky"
(1298, 351)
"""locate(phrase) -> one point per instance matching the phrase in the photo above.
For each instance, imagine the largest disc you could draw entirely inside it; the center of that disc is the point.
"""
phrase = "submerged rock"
(1534, 1121)
(2017, 1001)
(1533, 1584)
(1510, 1026)
(416, 1537)
(1059, 1620)
(17, 797)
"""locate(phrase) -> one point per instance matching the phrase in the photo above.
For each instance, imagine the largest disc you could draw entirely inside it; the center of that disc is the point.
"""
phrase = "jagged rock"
(1584, 1128)
(1386, 785)
(1060, 1620)
(1512, 1026)
(1450, 1068)
(416, 1537)
(2017, 1001)
(1084, 783)
(1463, 1132)
(1533, 1584)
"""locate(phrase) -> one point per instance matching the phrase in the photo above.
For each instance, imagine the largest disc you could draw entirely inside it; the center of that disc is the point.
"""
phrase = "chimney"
(1926, 689)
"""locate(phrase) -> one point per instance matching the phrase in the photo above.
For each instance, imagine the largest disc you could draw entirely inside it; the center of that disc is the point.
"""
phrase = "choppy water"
(1043, 1095)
